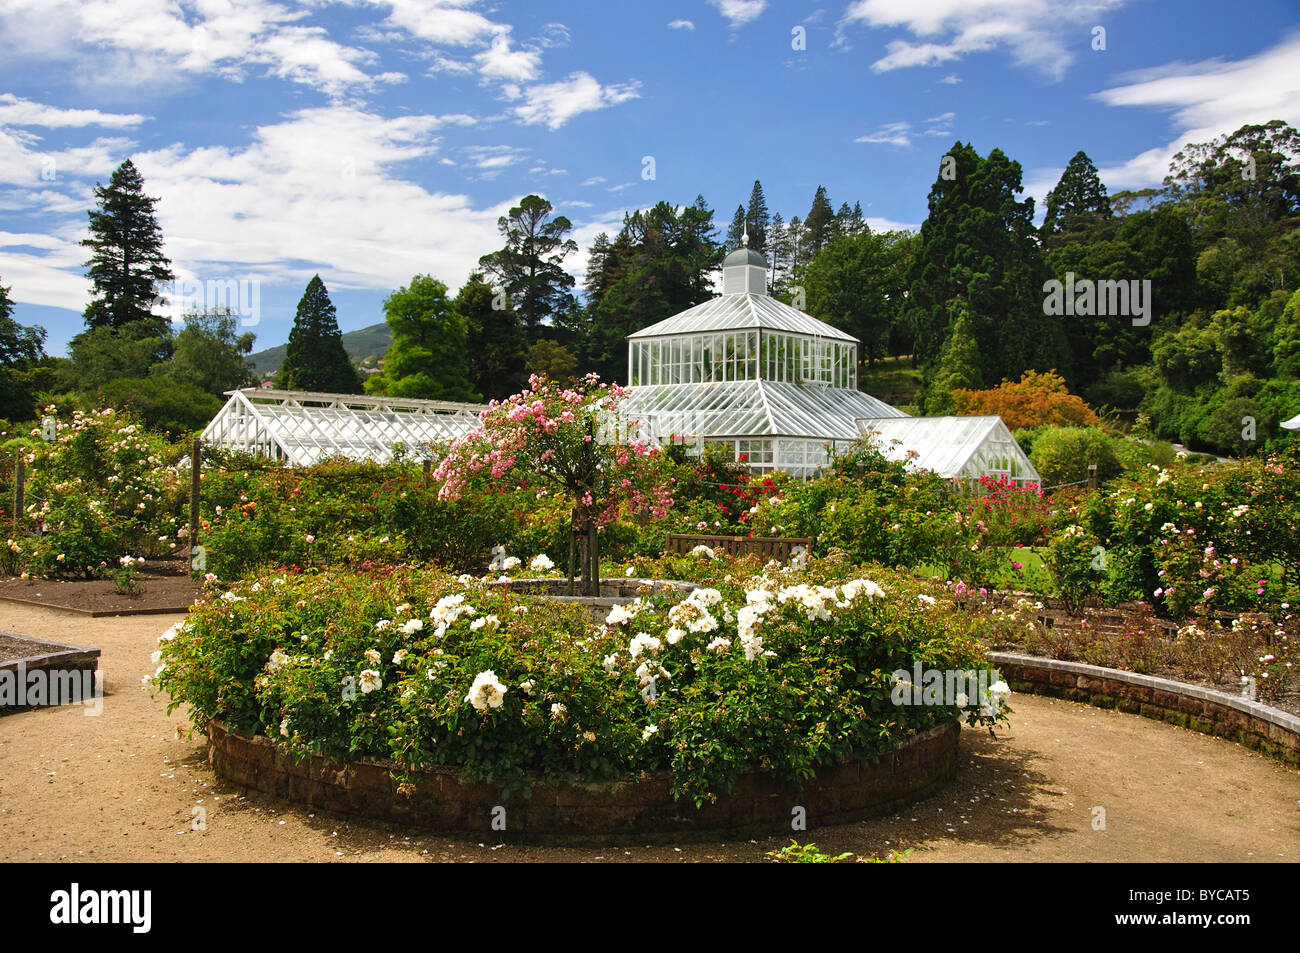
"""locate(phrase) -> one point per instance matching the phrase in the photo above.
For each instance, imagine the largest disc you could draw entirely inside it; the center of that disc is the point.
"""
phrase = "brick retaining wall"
(1267, 730)
(631, 811)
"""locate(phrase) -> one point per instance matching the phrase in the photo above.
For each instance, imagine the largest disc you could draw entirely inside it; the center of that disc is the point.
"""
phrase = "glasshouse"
(967, 447)
(303, 428)
(745, 370)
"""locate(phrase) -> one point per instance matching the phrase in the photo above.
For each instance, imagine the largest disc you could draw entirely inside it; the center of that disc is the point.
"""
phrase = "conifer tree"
(127, 261)
(757, 218)
(315, 359)
(820, 223)
(1079, 199)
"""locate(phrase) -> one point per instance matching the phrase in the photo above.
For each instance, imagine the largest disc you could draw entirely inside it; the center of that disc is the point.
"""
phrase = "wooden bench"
(780, 548)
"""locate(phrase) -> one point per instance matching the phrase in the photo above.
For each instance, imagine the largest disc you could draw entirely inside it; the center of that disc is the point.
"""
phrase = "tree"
(1246, 184)
(210, 354)
(1078, 200)
(1035, 400)
(959, 364)
(978, 243)
(757, 218)
(820, 223)
(551, 360)
(429, 356)
(127, 260)
(176, 407)
(315, 359)
(857, 284)
(21, 348)
(105, 353)
(494, 341)
(657, 266)
(780, 253)
(736, 230)
(556, 434)
(530, 268)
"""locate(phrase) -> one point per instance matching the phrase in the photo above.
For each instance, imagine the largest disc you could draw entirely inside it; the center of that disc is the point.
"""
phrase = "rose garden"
(505, 646)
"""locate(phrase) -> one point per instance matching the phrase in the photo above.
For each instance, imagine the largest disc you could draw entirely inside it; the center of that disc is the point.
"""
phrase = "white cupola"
(744, 271)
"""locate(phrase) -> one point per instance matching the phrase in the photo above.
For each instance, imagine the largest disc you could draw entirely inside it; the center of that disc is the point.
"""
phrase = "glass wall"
(736, 356)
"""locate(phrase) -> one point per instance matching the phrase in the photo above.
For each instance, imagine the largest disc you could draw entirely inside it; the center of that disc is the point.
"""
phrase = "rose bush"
(772, 670)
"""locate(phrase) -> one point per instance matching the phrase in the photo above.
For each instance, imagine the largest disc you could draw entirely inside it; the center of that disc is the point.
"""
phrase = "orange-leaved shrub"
(1037, 399)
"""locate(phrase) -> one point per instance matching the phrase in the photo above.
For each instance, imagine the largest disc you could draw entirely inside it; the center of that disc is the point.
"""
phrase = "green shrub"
(1063, 454)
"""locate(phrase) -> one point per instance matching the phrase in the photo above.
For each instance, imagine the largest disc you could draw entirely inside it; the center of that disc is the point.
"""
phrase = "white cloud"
(900, 133)
(439, 21)
(681, 25)
(292, 195)
(152, 43)
(499, 62)
(891, 134)
(889, 225)
(554, 35)
(1036, 31)
(594, 180)
(445, 64)
(952, 79)
(739, 12)
(23, 112)
(556, 103)
(1206, 100)
(495, 157)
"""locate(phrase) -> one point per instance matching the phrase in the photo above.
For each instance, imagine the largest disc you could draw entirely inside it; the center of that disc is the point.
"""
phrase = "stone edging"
(1268, 730)
(96, 613)
(630, 811)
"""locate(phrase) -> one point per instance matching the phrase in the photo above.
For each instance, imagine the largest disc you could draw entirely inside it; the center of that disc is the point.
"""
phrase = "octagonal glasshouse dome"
(774, 385)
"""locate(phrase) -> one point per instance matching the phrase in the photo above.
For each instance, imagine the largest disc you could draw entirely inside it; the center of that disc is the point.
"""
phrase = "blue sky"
(372, 140)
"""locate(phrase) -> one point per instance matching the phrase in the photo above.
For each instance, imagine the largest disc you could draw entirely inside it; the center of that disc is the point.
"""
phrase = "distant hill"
(371, 342)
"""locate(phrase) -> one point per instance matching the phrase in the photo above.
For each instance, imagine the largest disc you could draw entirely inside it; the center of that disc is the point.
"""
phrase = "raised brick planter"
(1267, 730)
(630, 811)
(66, 674)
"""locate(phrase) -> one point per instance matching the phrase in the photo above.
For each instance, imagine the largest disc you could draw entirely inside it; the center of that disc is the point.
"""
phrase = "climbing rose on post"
(570, 438)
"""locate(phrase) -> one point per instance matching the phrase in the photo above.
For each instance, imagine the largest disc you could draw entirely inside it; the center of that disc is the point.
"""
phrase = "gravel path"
(123, 787)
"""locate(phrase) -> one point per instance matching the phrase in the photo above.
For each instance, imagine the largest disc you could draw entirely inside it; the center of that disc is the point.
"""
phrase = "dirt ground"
(166, 585)
(123, 787)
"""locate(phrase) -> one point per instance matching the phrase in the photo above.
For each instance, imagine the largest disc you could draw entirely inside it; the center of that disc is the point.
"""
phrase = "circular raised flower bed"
(630, 810)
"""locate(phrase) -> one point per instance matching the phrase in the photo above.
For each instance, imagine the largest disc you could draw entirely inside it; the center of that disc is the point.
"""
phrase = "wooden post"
(1092, 476)
(196, 458)
(428, 466)
(20, 477)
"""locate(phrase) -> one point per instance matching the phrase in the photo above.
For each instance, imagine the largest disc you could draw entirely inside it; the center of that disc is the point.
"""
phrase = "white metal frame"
(305, 427)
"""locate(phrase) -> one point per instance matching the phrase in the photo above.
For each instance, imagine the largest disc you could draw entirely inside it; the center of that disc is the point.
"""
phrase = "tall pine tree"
(127, 261)
(315, 359)
(819, 226)
(1079, 199)
(736, 231)
(757, 218)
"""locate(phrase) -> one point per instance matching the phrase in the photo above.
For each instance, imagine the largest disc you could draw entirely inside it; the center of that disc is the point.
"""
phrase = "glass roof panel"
(944, 444)
(738, 311)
